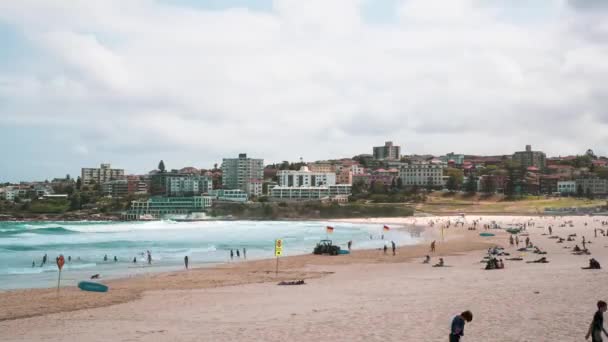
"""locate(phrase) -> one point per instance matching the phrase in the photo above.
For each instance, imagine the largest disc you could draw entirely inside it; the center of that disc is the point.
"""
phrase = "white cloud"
(313, 78)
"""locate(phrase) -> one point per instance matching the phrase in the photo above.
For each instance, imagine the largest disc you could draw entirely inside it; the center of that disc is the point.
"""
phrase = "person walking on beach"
(597, 325)
(550, 230)
(385, 248)
(393, 246)
(527, 241)
(231, 254)
(433, 247)
(238, 253)
(511, 242)
(244, 253)
(516, 240)
(186, 261)
(457, 330)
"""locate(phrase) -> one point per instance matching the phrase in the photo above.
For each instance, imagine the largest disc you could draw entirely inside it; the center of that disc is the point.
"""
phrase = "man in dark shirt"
(597, 325)
(458, 322)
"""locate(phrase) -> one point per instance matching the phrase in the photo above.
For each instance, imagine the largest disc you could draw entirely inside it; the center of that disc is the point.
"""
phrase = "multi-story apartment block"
(305, 178)
(100, 175)
(309, 193)
(254, 187)
(566, 187)
(457, 159)
(236, 172)
(422, 174)
(187, 185)
(345, 176)
(596, 186)
(529, 158)
(387, 152)
(322, 167)
(357, 169)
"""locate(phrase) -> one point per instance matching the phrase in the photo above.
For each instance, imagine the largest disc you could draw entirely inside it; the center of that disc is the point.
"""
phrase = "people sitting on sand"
(440, 263)
(492, 264)
(576, 248)
(542, 260)
(593, 265)
(427, 260)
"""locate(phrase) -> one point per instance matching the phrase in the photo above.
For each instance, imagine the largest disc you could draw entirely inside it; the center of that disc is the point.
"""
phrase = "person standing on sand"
(511, 242)
(186, 261)
(244, 253)
(238, 253)
(457, 330)
(597, 325)
(350, 244)
(231, 254)
(393, 246)
(385, 248)
(516, 240)
(550, 230)
(433, 246)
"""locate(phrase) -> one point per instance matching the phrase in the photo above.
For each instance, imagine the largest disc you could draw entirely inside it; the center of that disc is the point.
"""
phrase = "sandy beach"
(365, 296)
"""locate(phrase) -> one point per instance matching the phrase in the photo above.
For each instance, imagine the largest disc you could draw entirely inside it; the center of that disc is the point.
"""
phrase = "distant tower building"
(242, 172)
(387, 152)
(104, 173)
(529, 158)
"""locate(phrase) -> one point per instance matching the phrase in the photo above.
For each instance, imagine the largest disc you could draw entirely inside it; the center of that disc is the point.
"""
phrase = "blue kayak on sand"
(91, 286)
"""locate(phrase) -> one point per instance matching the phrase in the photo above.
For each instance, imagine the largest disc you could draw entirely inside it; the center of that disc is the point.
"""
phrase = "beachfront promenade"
(363, 297)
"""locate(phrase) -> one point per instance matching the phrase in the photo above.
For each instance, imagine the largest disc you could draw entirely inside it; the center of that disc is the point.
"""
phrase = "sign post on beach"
(278, 251)
(60, 263)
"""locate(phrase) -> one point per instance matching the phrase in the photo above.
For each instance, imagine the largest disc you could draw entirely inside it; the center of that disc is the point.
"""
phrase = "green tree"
(471, 185)
(78, 183)
(588, 193)
(399, 183)
(451, 183)
(488, 185)
(580, 192)
(161, 166)
(378, 188)
(393, 184)
(456, 176)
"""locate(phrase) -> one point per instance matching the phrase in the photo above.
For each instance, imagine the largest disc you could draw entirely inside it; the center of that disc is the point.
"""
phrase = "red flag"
(330, 230)
(386, 228)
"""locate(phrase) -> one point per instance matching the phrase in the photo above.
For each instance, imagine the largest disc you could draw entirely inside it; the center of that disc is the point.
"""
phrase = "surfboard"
(91, 286)
(486, 234)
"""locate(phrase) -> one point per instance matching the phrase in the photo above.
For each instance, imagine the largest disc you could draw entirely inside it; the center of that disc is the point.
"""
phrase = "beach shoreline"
(18, 303)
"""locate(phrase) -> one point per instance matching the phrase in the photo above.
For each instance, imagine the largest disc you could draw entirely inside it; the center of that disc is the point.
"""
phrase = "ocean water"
(204, 242)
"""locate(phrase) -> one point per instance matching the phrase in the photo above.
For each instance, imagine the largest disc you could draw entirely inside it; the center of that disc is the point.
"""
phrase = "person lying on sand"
(515, 259)
(542, 260)
(582, 252)
(538, 251)
(569, 239)
(440, 263)
(561, 240)
(427, 260)
(295, 282)
(593, 265)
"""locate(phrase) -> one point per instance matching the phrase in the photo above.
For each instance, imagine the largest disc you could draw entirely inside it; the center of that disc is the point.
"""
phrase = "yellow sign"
(278, 247)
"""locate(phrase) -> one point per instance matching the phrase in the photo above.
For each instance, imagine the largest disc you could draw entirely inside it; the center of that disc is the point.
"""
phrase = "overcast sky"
(192, 81)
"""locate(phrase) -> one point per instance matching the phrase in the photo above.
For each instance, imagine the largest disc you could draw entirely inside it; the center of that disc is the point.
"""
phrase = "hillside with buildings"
(366, 184)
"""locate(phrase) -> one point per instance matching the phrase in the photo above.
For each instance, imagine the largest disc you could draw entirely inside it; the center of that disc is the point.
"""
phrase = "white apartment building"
(100, 175)
(305, 178)
(422, 174)
(357, 169)
(311, 193)
(254, 187)
(595, 186)
(566, 187)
